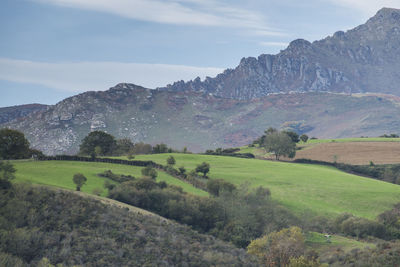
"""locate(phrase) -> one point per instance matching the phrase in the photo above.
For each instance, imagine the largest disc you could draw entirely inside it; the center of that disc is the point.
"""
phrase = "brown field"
(358, 153)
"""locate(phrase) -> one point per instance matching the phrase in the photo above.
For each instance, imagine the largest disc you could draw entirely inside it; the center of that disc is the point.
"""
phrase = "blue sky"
(52, 49)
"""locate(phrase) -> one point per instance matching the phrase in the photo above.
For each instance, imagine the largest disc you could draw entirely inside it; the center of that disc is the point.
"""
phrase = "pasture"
(321, 190)
(60, 173)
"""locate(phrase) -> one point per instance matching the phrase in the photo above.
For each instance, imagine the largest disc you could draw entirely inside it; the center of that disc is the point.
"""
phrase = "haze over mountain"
(236, 106)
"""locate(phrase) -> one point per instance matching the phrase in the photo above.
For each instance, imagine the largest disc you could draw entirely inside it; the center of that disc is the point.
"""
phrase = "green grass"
(318, 242)
(256, 151)
(60, 173)
(323, 190)
(357, 139)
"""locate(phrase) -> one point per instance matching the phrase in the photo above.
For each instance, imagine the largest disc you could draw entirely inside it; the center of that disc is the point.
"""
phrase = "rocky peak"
(364, 59)
(126, 87)
(298, 46)
(386, 16)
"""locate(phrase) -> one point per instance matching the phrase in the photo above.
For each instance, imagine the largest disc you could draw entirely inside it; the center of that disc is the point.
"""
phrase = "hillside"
(74, 230)
(60, 173)
(320, 190)
(364, 59)
(200, 121)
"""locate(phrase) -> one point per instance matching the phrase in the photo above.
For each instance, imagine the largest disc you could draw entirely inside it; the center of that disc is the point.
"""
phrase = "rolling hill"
(60, 173)
(41, 225)
(321, 190)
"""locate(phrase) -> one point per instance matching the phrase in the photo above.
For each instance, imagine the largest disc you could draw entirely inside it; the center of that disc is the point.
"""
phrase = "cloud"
(368, 7)
(180, 12)
(85, 76)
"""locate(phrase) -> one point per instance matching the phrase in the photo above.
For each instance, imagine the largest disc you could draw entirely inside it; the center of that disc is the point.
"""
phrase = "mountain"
(200, 121)
(16, 112)
(315, 88)
(364, 59)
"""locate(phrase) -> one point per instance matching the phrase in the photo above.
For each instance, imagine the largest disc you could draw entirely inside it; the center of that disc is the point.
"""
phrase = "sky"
(53, 49)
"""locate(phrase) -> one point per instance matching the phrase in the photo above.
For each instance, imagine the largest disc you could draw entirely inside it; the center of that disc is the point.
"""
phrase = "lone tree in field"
(280, 144)
(79, 179)
(150, 172)
(204, 168)
(304, 138)
(171, 161)
(97, 141)
(13, 145)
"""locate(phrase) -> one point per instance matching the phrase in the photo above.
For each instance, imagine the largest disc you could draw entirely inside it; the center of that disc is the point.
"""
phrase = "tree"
(13, 144)
(149, 171)
(7, 171)
(79, 180)
(142, 148)
(293, 135)
(270, 130)
(204, 168)
(160, 148)
(277, 248)
(182, 170)
(124, 146)
(304, 138)
(98, 151)
(217, 186)
(280, 144)
(106, 142)
(171, 161)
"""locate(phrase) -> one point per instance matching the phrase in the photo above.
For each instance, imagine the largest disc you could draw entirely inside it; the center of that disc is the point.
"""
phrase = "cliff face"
(364, 59)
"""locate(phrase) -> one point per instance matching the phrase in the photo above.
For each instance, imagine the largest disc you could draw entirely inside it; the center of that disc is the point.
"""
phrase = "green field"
(322, 190)
(60, 173)
(318, 242)
(356, 139)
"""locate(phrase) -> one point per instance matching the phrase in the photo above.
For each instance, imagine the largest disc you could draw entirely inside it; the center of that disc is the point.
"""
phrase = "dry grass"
(358, 153)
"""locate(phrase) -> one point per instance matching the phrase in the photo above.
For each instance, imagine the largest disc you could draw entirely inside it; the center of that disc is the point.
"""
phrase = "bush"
(203, 168)
(217, 186)
(149, 171)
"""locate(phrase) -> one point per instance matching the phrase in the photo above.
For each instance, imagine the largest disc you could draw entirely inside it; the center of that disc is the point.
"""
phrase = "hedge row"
(139, 163)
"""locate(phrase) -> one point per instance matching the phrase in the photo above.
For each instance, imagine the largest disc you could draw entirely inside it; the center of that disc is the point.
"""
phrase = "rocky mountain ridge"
(364, 59)
(200, 121)
(8, 114)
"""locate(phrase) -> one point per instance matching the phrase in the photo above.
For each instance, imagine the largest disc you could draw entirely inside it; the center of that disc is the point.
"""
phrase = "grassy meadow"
(318, 242)
(60, 173)
(321, 190)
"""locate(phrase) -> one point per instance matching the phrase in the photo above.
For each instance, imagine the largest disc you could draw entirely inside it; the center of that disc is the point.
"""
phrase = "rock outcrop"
(364, 59)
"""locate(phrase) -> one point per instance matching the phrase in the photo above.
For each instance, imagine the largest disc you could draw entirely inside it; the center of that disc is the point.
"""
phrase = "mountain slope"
(364, 59)
(200, 121)
(8, 114)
